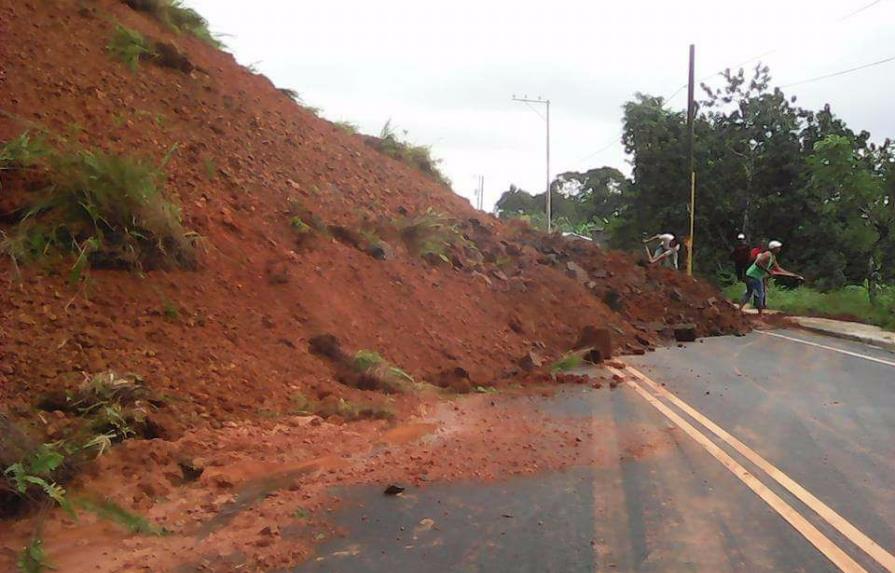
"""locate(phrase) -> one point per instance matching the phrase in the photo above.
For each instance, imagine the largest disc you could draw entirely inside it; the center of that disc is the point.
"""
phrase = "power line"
(859, 10)
(677, 91)
(541, 115)
(615, 139)
(771, 51)
(839, 73)
(609, 144)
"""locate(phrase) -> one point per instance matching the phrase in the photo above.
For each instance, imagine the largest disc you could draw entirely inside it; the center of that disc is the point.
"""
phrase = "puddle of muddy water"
(543, 523)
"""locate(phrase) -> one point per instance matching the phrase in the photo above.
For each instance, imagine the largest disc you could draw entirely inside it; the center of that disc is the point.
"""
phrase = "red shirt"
(753, 254)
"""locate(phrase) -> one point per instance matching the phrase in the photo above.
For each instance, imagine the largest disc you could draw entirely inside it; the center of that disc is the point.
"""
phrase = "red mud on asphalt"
(270, 471)
(232, 358)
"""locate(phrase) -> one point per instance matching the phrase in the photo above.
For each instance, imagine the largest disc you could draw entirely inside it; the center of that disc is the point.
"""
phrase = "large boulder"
(598, 339)
(531, 361)
(575, 271)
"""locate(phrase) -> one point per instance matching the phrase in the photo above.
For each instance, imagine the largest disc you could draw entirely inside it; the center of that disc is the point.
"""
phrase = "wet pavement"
(652, 498)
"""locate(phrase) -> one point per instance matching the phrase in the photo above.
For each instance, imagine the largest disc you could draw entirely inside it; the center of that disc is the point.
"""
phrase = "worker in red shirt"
(741, 257)
(762, 247)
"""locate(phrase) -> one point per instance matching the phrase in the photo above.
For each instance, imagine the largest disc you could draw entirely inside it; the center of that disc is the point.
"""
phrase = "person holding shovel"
(666, 251)
(757, 275)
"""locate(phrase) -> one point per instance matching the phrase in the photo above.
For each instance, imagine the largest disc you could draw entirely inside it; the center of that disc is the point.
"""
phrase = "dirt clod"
(328, 346)
(394, 489)
(170, 56)
(685, 332)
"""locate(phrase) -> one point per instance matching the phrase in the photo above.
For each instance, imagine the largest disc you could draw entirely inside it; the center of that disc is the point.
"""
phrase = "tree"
(597, 193)
(765, 167)
(847, 183)
(581, 201)
(515, 202)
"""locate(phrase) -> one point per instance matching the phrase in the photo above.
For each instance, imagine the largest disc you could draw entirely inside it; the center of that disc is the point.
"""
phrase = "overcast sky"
(446, 71)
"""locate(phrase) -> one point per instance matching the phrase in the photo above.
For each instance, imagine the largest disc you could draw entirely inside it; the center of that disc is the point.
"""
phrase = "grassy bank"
(848, 303)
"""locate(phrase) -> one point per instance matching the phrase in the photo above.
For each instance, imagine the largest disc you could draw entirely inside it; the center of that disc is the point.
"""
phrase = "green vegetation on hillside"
(129, 46)
(417, 156)
(105, 210)
(179, 17)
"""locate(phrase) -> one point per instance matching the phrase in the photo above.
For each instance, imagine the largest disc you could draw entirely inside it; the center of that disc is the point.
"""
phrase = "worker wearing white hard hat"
(764, 267)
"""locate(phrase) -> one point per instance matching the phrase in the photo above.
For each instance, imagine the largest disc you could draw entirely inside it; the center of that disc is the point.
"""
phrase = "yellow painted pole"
(692, 223)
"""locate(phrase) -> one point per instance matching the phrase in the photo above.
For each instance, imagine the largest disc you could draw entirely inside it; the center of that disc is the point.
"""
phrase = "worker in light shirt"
(666, 250)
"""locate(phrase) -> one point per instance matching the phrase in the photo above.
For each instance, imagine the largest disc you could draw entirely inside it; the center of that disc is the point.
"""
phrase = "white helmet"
(775, 245)
(741, 236)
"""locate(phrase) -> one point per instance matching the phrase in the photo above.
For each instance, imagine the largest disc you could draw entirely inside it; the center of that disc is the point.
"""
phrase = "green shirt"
(756, 272)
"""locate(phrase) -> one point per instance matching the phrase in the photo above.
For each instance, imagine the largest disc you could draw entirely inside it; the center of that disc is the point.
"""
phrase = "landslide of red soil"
(238, 345)
(236, 349)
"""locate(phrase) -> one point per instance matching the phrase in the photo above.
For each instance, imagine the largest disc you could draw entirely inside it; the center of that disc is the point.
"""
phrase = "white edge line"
(825, 347)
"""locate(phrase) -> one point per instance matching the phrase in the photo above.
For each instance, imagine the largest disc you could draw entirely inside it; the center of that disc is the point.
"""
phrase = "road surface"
(770, 452)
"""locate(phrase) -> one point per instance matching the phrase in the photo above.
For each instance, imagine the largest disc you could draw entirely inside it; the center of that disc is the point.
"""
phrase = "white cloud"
(445, 71)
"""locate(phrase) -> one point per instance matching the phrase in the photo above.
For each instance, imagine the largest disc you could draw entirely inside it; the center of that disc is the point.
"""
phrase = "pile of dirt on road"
(303, 229)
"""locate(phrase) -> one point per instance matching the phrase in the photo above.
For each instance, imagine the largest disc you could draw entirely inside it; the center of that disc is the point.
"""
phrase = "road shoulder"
(868, 334)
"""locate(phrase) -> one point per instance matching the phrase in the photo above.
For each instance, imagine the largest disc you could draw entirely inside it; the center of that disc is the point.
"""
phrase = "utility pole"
(691, 118)
(480, 192)
(546, 102)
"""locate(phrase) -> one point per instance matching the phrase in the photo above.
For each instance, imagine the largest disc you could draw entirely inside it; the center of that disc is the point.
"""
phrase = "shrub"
(432, 235)
(340, 407)
(170, 311)
(347, 127)
(115, 406)
(111, 511)
(569, 361)
(179, 17)
(32, 476)
(417, 156)
(33, 558)
(23, 151)
(210, 167)
(366, 359)
(109, 211)
(299, 225)
(392, 378)
(291, 94)
(129, 46)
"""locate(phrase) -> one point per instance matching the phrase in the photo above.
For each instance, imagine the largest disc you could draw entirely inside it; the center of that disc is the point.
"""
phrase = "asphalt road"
(821, 421)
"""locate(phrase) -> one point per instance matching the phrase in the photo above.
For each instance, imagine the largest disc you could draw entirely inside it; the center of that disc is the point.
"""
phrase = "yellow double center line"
(832, 551)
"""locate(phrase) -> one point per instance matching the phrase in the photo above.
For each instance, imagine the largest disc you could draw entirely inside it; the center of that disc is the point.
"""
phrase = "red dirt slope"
(239, 344)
